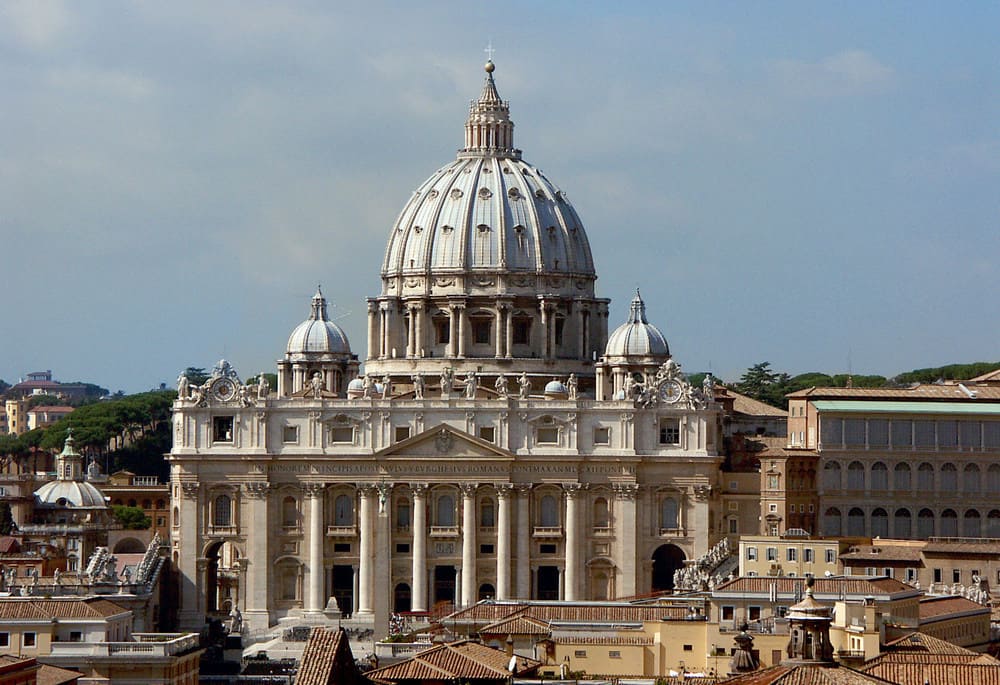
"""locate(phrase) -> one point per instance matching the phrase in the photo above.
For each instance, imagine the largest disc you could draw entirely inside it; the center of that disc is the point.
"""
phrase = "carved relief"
(256, 489)
(443, 441)
(189, 490)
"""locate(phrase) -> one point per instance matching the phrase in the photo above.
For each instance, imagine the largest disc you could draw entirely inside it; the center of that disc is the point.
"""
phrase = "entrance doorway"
(444, 584)
(548, 582)
(666, 560)
(343, 588)
(401, 599)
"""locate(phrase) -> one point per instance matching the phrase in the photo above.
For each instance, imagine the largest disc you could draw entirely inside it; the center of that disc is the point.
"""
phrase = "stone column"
(419, 595)
(546, 321)
(255, 607)
(573, 542)
(498, 334)
(316, 600)
(452, 330)
(463, 327)
(508, 332)
(366, 555)
(523, 541)
(468, 544)
(192, 582)
(372, 329)
(625, 522)
(421, 321)
(503, 540)
(411, 332)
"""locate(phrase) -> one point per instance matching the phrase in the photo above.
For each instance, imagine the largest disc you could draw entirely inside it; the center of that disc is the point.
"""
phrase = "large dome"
(69, 493)
(637, 337)
(317, 334)
(488, 211)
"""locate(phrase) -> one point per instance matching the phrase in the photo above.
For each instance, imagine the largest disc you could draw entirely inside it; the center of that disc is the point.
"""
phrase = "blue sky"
(812, 184)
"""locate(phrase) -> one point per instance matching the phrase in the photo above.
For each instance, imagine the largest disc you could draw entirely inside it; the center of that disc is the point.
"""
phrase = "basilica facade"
(498, 442)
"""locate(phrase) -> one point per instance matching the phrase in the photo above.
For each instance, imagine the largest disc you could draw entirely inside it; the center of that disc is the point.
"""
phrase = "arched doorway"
(222, 571)
(401, 599)
(129, 546)
(666, 560)
(212, 578)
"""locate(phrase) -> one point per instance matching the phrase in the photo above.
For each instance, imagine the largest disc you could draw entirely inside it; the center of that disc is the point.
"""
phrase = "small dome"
(356, 384)
(317, 334)
(69, 493)
(555, 387)
(637, 337)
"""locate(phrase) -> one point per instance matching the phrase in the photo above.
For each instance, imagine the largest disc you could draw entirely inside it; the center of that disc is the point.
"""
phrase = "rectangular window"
(772, 508)
(402, 548)
(548, 436)
(831, 556)
(602, 436)
(772, 553)
(344, 434)
(442, 331)
(560, 325)
(751, 553)
(688, 648)
(812, 508)
(342, 547)
(734, 526)
(792, 554)
(522, 331)
(670, 432)
(222, 429)
(753, 614)
(76, 636)
(486, 549)
(487, 433)
(807, 555)
(28, 639)
(580, 654)
(547, 549)
(401, 433)
(614, 654)
(937, 576)
(728, 613)
(481, 331)
(911, 575)
(4, 639)
(956, 576)
(290, 434)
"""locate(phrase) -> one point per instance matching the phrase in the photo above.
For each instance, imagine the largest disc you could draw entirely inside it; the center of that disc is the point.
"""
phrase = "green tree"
(195, 375)
(756, 381)
(44, 401)
(131, 518)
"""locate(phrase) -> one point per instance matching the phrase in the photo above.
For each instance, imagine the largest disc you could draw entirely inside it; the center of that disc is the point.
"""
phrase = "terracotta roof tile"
(884, 553)
(934, 607)
(12, 608)
(925, 391)
(805, 675)
(53, 675)
(457, 660)
(938, 674)
(327, 659)
(596, 612)
(517, 625)
(926, 644)
(850, 585)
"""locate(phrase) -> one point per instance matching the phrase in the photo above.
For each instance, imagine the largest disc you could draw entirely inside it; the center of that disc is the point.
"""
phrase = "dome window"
(487, 170)
(540, 194)
(485, 193)
(514, 194)
(483, 228)
(447, 229)
(433, 194)
(552, 232)
(417, 229)
(507, 170)
(456, 193)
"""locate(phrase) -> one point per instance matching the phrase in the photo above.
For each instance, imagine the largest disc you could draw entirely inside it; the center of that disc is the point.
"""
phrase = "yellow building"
(790, 555)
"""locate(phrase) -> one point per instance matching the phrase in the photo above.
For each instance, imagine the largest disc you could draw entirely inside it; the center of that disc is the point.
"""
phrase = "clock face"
(670, 391)
(224, 390)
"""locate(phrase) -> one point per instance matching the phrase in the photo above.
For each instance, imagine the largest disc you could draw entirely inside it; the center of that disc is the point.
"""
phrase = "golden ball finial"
(489, 67)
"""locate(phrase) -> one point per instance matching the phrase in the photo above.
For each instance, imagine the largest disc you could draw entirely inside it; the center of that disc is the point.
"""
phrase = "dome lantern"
(489, 130)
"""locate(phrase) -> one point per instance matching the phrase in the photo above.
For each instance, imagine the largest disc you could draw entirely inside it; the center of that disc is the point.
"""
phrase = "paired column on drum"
(468, 544)
(419, 597)
(315, 600)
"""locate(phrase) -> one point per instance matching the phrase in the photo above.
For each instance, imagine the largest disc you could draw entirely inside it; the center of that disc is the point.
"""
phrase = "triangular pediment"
(444, 441)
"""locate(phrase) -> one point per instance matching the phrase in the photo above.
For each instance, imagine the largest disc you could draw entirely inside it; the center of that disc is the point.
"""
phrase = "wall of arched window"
(487, 514)
(832, 521)
(993, 524)
(548, 512)
(222, 511)
(949, 478)
(901, 477)
(855, 476)
(993, 478)
(880, 476)
(880, 523)
(856, 522)
(972, 524)
(901, 524)
(403, 514)
(668, 513)
(925, 524)
(601, 517)
(925, 477)
(343, 510)
(444, 514)
(949, 523)
(831, 476)
(971, 481)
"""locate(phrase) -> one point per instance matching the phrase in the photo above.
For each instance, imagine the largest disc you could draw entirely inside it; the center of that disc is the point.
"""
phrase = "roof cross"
(489, 50)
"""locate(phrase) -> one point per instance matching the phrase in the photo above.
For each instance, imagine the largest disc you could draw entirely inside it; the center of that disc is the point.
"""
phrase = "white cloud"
(847, 73)
(35, 23)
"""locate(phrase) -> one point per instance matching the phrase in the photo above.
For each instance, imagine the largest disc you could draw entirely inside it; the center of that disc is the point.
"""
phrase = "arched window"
(925, 478)
(549, 512)
(177, 517)
(601, 518)
(403, 514)
(949, 478)
(972, 524)
(902, 476)
(855, 522)
(668, 513)
(289, 513)
(401, 599)
(880, 523)
(487, 519)
(832, 521)
(880, 476)
(925, 524)
(901, 524)
(223, 514)
(856, 476)
(970, 479)
(446, 511)
(343, 510)
(147, 504)
(993, 524)
(160, 504)
(993, 478)
(949, 523)
(831, 475)
(487, 591)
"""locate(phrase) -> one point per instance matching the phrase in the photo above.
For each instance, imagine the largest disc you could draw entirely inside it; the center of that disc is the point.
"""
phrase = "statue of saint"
(524, 384)
(501, 385)
(418, 386)
(386, 387)
(471, 385)
(183, 387)
(263, 387)
(571, 386)
(316, 385)
(447, 378)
